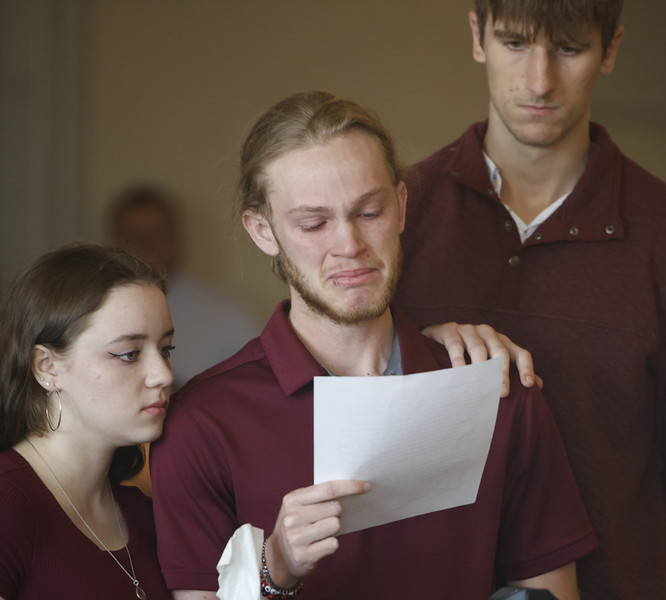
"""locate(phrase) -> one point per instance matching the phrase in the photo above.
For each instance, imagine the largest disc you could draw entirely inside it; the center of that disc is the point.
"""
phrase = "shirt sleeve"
(544, 523)
(193, 503)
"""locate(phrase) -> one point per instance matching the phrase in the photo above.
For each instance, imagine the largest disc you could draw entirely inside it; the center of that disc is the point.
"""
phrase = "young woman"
(85, 338)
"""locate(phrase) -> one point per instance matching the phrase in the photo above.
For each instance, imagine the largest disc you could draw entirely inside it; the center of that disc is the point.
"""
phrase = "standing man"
(533, 221)
(321, 192)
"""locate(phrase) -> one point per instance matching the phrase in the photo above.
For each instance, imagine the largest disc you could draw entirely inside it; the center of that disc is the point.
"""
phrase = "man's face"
(335, 227)
(540, 90)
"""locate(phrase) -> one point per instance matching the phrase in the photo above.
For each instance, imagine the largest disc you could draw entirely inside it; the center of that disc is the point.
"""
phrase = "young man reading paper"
(321, 192)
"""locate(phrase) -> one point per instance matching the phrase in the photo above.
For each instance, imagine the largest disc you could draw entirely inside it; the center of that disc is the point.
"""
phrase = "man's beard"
(372, 309)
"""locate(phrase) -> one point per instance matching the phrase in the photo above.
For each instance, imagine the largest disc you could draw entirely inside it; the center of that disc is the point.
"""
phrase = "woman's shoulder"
(15, 472)
(19, 515)
(20, 489)
(11, 461)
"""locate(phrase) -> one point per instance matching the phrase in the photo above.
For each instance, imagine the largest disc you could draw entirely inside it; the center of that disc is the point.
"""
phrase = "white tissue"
(240, 564)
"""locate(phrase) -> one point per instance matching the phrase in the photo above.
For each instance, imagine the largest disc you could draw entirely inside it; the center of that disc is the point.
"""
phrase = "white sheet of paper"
(422, 440)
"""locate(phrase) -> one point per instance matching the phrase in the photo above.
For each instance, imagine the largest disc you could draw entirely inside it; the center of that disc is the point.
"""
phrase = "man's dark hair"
(557, 19)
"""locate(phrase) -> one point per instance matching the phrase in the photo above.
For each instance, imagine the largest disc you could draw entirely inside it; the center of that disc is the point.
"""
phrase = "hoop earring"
(48, 417)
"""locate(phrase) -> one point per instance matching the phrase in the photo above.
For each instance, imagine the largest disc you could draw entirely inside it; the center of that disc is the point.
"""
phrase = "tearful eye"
(166, 351)
(312, 226)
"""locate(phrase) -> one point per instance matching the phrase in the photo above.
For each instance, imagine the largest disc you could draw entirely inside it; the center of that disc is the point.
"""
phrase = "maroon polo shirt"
(240, 436)
(586, 294)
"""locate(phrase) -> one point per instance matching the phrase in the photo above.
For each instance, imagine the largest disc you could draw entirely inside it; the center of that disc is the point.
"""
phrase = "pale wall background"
(97, 94)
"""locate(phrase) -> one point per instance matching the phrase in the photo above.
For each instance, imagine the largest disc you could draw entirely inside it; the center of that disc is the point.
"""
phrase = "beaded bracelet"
(269, 589)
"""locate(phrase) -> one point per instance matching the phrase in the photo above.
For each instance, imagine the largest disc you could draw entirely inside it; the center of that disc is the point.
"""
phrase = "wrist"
(277, 583)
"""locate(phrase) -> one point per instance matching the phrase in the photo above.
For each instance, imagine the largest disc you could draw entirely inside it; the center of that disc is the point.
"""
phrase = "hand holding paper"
(305, 529)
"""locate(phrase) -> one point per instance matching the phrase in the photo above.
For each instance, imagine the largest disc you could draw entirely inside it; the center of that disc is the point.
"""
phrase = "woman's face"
(115, 379)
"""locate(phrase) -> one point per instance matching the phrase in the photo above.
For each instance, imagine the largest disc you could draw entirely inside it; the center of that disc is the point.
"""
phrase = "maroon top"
(586, 294)
(239, 437)
(44, 555)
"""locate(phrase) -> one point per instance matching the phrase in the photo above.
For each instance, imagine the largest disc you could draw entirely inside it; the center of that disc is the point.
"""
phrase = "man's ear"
(261, 232)
(608, 62)
(43, 366)
(478, 52)
(401, 190)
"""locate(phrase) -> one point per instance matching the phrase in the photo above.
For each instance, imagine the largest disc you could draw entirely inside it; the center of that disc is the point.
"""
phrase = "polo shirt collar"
(592, 210)
(294, 367)
(291, 362)
(417, 357)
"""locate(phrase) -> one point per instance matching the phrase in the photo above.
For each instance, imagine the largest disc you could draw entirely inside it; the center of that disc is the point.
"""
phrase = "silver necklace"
(137, 589)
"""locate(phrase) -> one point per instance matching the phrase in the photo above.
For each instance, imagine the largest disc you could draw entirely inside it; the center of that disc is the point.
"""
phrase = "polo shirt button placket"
(510, 282)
